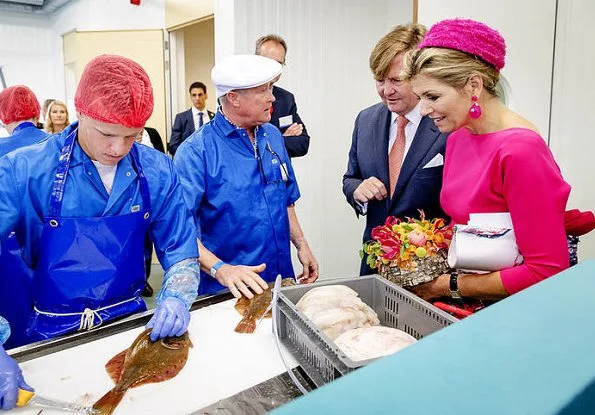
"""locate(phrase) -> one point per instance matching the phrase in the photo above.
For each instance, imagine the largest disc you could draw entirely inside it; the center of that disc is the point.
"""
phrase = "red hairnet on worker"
(19, 112)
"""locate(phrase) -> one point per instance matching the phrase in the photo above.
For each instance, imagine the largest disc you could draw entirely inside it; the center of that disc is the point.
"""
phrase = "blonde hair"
(401, 39)
(451, 67)
(49, 124)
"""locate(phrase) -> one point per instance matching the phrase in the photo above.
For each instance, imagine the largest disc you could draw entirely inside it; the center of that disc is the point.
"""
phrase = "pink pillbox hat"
(467, 36)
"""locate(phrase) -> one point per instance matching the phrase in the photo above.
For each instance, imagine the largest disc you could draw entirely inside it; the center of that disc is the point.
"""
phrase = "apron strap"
(144, 185)
(87, 315)
(61, 174)
(57, 195)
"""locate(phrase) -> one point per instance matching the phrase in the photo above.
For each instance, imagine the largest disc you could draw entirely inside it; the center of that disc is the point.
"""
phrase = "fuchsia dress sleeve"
(511, 171)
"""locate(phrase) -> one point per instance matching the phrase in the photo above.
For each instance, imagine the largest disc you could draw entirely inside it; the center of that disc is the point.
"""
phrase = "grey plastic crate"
(322, 360)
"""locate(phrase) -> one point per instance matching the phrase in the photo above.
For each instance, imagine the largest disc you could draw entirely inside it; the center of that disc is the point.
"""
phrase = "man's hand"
(293, 130)
(370, 189)
(239, 277)
(310, 272)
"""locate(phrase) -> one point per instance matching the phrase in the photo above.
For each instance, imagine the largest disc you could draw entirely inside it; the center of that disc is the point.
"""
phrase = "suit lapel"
(380, 135)
(424, 139)
(189, 128)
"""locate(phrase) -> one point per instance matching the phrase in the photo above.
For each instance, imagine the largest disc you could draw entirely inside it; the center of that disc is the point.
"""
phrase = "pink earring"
(475, 110)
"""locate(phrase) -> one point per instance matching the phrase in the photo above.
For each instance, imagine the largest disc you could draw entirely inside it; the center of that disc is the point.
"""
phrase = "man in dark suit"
(284, 113)
(190, 120)
(396, 156)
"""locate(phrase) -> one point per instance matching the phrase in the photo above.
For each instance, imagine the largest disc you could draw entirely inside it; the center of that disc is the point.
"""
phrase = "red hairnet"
(18, 103)
(115, 90)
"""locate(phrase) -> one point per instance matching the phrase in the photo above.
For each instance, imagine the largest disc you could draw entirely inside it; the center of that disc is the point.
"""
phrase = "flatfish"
(255, 308)
(143, 362)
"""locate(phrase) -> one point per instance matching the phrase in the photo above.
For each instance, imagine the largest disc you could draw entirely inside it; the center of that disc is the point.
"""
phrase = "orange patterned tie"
(395, 157)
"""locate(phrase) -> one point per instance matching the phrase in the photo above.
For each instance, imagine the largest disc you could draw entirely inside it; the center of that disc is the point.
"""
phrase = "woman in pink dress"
(496, 160)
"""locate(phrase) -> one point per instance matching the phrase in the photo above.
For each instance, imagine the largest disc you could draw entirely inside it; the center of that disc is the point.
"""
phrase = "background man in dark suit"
(190, 120)
(396, 156)
(284, 113)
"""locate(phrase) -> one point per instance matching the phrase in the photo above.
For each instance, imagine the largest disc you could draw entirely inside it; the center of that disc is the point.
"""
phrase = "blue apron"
(89, 270)
(15, 279)
(15, 296)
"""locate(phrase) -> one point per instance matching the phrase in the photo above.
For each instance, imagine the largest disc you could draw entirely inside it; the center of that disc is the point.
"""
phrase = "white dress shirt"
(195, 115)
(414, 117)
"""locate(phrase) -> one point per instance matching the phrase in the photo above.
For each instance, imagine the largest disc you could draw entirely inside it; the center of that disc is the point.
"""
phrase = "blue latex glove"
(171, 318)
(11, 379)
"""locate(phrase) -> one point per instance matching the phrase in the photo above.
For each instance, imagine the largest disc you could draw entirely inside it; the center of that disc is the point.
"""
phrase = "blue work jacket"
(239, 196)
(27, 175)
(24, 135)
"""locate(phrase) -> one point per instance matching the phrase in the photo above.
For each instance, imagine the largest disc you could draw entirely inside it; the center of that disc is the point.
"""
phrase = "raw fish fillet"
(335, 309)
(372, 342)
(335, 321)
(325, 293)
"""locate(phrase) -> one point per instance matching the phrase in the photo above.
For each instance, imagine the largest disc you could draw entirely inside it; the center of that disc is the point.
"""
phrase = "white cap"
(243, 72)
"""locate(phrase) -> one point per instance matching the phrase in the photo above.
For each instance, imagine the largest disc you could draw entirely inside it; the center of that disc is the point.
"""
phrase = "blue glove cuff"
(4, 330)
(181, 282)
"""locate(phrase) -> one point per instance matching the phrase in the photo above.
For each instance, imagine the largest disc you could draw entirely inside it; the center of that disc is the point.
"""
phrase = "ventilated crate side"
(313, 354)
(395, 307)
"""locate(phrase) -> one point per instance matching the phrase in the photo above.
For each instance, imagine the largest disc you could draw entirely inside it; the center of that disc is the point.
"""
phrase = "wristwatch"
(215, 267)
(454, 286)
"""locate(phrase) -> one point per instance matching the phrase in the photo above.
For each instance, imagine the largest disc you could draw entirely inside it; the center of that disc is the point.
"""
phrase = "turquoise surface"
(532, 353)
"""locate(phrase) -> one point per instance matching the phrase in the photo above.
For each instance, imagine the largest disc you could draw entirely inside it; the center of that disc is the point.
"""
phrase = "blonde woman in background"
(57, 117)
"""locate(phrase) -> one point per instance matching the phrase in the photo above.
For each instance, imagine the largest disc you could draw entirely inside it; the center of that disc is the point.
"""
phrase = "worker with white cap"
(83, 201)
(240, 186)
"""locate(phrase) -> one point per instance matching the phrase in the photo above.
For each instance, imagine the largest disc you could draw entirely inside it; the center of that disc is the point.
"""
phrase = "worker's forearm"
(206, 258)
(4, 330)
(181, 281)
(295, 230)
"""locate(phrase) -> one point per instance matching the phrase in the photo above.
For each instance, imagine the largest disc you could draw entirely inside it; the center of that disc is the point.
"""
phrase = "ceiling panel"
(30, 2)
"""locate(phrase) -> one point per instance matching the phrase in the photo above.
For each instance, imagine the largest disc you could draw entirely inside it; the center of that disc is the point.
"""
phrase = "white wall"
(90, 15)
(573, 107)
(327, 69)
(27, 52)
(528, 28)
(31, 45)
